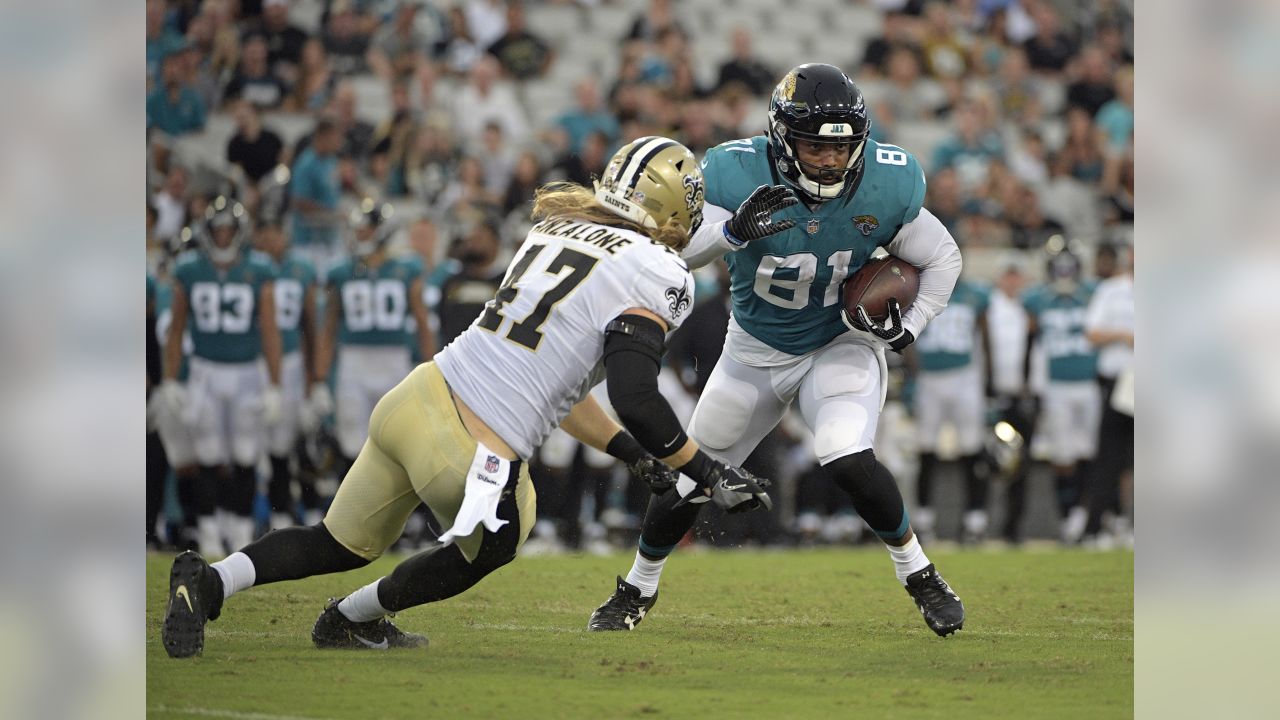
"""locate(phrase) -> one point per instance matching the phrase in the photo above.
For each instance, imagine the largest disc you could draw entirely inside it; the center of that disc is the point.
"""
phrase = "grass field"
(821, 633)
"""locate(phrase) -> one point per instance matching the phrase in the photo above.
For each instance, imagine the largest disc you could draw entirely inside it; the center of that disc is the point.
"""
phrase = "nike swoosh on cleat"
(724, 486)
(182, 593)
(375, 645)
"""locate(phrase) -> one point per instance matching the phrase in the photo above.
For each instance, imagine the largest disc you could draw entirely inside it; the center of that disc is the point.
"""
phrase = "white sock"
(362, 605)
(645, 574)
(908, 559)
(237, 573)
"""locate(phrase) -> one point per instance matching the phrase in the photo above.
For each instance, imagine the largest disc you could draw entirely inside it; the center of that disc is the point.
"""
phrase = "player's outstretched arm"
(724, 231)
(589, 424)
(632, 357)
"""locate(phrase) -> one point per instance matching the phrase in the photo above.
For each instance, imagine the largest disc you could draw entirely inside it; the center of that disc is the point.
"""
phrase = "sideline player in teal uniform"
(226, 292)
(788, 339)
(1072, 404)
(370, 297)
(295, 295)
(949, 388)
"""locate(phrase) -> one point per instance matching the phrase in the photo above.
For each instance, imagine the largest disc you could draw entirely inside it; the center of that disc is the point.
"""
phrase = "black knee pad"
(875, 494)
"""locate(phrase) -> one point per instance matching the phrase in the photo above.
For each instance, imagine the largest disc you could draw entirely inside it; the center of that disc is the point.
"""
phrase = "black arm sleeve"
(633, 348)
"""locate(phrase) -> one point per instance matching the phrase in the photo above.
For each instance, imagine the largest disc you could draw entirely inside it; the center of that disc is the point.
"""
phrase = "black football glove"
(732, 488)
(891, 332)
(654, 473)
(754, 217)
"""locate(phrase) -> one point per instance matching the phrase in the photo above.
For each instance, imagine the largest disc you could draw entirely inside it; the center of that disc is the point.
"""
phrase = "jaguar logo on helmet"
(866, 224)
(787, 88)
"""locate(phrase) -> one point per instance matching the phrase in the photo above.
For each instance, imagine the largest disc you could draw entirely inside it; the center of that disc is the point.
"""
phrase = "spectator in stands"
(1092, 87)
(215, 32)
(971, 149)
(684, 86)
(1081, 155)
(899, 31)
(254, 81)
(484, 100)
(1115, 118)
(357, 135)
(945, 54)
(1019, 97)
(253, 149)
(457, 49)
(284, 41)
(1028, 224)
(466, 193)
(398, 46)
(1029, 160)
(905, 99)
(345, 39)
(525, 179)
(522, 55)
(945, 200)
(581, 167)
(745, 68)
(498, 159)
(315, 191)
(434, 158)
(649, 24)
(587, 116)
(1050, 49)
(1111, 38)
(487, 20)
(315, 79)
(393, 143)
(170, 204)
(1117, 187)
(199, 73)
(162, 40)
(174, 106)
(698, 128)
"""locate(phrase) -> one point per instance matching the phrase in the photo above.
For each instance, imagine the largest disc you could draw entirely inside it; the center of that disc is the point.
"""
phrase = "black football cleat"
(623, 610)
(334, 630)
(195, 597)
(941, 607)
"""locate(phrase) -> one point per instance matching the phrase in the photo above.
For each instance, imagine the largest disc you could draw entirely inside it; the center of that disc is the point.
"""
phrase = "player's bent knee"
(842, 436)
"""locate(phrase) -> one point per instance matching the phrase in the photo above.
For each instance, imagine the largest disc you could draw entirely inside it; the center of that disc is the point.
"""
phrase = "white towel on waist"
(485, 482)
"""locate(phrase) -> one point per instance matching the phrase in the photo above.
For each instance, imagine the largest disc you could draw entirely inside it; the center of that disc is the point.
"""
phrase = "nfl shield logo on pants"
(812, 226)
(491, 464)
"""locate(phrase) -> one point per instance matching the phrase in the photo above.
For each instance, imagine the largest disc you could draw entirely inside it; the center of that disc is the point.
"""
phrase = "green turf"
(822, 633)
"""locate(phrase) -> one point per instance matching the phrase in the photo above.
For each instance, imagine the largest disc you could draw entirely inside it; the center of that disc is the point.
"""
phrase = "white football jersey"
(535, 351)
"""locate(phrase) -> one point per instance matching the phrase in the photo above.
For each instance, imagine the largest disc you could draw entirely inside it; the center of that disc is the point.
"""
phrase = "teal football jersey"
(295, 275)
(223, 305)
(374, 302)
(786, 287)
(1060, 321)
(950, 340)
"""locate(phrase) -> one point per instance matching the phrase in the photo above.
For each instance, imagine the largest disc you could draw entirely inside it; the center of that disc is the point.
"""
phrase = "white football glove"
(272, 404)
(320, 401)
(172, 398)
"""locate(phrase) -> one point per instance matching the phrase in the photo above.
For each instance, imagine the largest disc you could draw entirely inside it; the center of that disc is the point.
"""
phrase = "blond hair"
(571, 200)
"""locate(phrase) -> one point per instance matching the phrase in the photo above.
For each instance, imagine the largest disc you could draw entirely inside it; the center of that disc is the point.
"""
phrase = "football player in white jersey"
(591, 294)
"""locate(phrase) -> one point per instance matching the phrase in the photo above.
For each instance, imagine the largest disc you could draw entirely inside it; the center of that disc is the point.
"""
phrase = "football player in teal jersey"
(952, 372)
(795, 212)
(224, 295)
(295, 296)
(371, 296)
(1072, 406)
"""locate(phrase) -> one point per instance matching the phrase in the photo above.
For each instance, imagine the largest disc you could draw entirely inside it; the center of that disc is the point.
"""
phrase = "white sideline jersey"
(535, 351)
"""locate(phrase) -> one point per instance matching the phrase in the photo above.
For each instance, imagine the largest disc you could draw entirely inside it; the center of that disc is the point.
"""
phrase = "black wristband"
(700, 467)
(626, 448)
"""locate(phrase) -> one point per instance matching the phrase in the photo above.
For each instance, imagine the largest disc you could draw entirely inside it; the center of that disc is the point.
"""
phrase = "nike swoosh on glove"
(892, 332)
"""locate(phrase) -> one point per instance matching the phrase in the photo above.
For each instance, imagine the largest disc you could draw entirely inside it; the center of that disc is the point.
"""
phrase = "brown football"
(877, 281)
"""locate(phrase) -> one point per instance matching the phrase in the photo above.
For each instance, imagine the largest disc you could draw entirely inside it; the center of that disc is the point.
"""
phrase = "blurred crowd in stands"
(455, 111)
